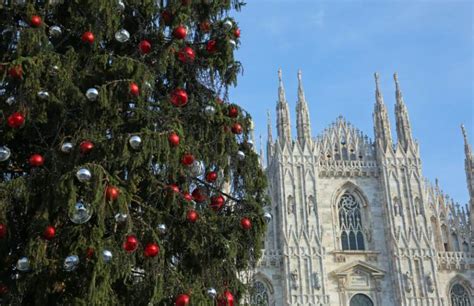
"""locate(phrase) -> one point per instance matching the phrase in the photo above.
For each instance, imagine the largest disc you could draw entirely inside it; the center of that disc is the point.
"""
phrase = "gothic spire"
(383, 133)
(303, 125)
(469, 167)
(403, 122)
(269, 137)
(283, 114)
(467, 146)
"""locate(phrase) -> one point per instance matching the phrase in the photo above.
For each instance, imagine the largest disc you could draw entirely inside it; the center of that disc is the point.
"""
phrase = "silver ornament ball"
(240, 155)
(135, 142)
(212, 293)
(209, 110)
(23, 264)
(10, 100)
(92, 94)
(5, 153)
(121, 6)
(43, 95)
(250, 143)
(120, 217)
(232, 43)
(228, 25)
(67, 147)
(107, 256)
(267, 217)
(54, 70)
(161, 228)
(55, 31)
(122, 35)
(81, 213)
(83, 175)
(197, 168)
(71, 262)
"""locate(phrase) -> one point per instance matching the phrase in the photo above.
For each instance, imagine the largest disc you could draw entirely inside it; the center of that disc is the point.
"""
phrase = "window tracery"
(260, 294)
(350, 223)
(459, 296)
(361, 300)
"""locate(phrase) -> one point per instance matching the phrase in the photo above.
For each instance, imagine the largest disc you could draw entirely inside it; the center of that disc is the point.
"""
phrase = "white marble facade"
(355, 222)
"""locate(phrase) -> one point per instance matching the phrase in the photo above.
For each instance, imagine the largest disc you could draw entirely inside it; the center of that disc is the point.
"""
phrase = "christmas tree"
(127, 177)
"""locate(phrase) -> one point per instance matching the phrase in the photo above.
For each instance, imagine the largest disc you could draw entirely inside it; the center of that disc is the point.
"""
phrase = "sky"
(340, 44)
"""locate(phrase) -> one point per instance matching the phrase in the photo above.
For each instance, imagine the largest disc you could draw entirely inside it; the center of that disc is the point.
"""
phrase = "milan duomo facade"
(355, 223)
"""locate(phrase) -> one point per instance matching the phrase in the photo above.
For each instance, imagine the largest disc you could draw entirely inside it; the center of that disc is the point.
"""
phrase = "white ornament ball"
(5, 153)
(71, 262)
(161, 228)
(120, 217)
(212, 293)
(209, 110)
(122, 35)
(55, 31)
(232, 43)
(267, 217)
(107, 256)
(83, 175)
(10, 100)
(92, 94)
(81, 213)
(23, 264)
(121, 6)
(67, 147)
(240, 155)
(228, 25)
(43, 95)
(135, 142)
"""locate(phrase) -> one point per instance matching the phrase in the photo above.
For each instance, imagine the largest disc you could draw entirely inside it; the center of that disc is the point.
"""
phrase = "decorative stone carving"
(408, 281)
(429, 283)
(316, 281)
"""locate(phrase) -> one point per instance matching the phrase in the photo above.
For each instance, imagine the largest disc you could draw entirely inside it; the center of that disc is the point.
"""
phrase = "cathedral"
(355, 223)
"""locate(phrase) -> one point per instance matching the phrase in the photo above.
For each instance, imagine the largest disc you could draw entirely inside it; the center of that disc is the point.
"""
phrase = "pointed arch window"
(350, 223)
(259, 294)
(459, 296)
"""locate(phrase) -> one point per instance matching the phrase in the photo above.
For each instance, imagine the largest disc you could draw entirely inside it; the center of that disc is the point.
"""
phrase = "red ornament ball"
(88, 37)
(131, 243)
(237, 33)
(134, 89)
(233, 112)
(112, 193)
(217, 202)
(180, 32)
(211, 176)
(86, 146)
(35, 21)
(49, 232)
(151, 249)
(144, 47)
(182, 300)
(192, 216)
(199, 195)
(16, 72)
(167, 18)
(187, 159)
(179, 97)
(174, 188)
(236, 128)
(16, 120)
(36, 160)
(186, 55)
(173, 139)
(211, 46)
(227, 299)
(245, 223)
(187, 197)
(90, 252)
(3, 230)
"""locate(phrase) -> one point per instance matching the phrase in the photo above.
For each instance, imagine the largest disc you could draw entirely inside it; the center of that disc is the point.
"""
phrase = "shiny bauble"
(83, 175)
(186, 55)
(228, 25)
(88, 37)
(245, 223)
(192, 216)
(16, 72)
(209, 110)
(211, 293)
(187, 159)
(81, 213)
(86, 146)
(135, 142)
(187, 197)
(49, 232)
(179, 97)
(267, 217)
(250, 143)
(173, 188)
(92, 94)
(54, 70)
(120, 6)
(240, 155)
(55, 31)
(199, 195)
(23, 264)
(36, 160)
(5, 153)
(70, 263)
(161, 228)
(3, 231)
(35, 21)
(43, 95)
(227, 299)
(211, 176)
(130, 244)
(182, 300)
(197, 168)
(233, 111)
(120, 217)
(173, 139)
(151, 250)
(112, 193)
(107, 256)
(237, 33)
(144, 46)
(10, 100)
(67, 147)
(232, 43)
(122, 35)
(211, 46)
(180, 32)
(16, 120)
(134, 89)
(217, 202)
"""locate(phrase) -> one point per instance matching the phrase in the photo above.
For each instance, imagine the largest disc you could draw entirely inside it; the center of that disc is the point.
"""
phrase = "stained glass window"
(459, 296)
(361, 300)
(350, 223)
(259, 294)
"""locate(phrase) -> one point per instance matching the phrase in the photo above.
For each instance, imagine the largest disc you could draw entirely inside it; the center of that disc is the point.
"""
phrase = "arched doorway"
(361, 300)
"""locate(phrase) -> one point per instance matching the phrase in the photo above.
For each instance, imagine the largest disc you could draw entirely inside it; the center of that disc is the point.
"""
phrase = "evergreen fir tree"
(126, 176)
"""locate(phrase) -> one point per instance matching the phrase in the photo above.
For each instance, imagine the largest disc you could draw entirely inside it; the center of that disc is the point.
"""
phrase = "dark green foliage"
(193, 257)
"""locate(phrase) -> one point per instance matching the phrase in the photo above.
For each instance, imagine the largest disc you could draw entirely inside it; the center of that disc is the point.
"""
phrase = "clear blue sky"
(340, 44)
